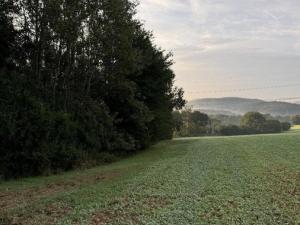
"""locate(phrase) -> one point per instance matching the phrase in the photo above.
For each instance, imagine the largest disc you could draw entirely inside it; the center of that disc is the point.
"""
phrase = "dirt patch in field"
(115, 216)
(154, 202)
(12, 199)
(49, 215)
(126, 208)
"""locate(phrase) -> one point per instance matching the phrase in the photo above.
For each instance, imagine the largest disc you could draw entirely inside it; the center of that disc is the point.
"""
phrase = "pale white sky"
(245, 48)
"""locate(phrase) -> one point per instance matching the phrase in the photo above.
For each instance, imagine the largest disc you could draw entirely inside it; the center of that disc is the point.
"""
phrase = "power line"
(244, 89)
(279, 99)
(230, 78)
(285, 99)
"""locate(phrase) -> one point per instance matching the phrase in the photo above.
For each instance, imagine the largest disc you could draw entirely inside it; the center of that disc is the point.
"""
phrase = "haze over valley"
(240, 106)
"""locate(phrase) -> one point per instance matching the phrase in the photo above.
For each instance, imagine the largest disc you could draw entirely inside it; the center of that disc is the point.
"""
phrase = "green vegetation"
(256, 123)
(295, 128)
(189, 123)
(296, 119)
(80, 82)
(236, 119)
(211, 180)
(227, 119)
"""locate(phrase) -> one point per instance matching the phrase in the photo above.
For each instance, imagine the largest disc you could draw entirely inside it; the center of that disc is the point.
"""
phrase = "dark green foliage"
(31, 136)
(272, 126)
(236, 119)
(253, 122)
(231, 130)
(198, 123)
(199, 118)
(8, 34)
(36, 140)
(227, 119)
(177, 120)
(296, 119)
(80, 81)
(286, 126)
(155, 82)
(190, 123)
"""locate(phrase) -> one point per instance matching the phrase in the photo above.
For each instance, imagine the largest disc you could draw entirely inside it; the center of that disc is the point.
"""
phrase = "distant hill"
(241, 106)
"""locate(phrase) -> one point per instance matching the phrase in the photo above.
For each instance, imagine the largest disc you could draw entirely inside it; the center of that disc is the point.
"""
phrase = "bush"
(286, 126)
(253, 122)
(31, 138)
(231, 130)
(188, 123)
(256, 123)
(272, 126)
(36, 140)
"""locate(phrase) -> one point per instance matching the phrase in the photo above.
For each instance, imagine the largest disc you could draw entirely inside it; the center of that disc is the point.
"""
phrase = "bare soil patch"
(13, 199)
(126, 212)
(49, 215)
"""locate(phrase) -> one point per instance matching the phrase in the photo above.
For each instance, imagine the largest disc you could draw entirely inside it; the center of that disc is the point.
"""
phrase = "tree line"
(189, 123)
(81, 81)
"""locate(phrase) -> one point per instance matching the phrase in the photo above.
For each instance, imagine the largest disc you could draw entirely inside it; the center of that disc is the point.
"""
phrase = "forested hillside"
(241, 106)
(81, 81)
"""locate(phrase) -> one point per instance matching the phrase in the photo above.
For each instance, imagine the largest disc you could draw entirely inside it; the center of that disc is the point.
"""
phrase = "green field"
(296, 127)
(217, 180)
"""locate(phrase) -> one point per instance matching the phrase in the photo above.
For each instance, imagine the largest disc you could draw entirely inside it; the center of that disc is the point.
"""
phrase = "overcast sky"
(245, 48)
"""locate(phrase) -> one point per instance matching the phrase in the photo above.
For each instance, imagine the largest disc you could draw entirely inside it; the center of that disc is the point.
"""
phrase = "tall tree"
(89, 78)
(254, 121)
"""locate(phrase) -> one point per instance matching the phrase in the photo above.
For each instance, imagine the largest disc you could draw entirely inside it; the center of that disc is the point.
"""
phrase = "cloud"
(209, 33)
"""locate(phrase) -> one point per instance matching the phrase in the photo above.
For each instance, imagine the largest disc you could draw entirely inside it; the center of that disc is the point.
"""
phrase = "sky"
(225, 48)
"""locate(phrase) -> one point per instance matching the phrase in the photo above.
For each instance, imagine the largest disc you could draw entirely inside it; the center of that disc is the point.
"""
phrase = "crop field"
(296, 128)
(214, 180)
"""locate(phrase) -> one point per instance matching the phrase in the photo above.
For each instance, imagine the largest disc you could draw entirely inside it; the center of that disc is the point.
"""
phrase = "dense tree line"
(256, 123)
(191, 123)
(236, 119)
(80, 80)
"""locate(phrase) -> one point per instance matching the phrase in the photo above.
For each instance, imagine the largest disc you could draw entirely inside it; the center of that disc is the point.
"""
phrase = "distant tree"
(253, 122)
(198, 123)
(285, 126)
(230, 130)
(194, 123)
(177, 120)
(199, 119)
(272, 126)
(214, 126)
(186, 124)
(227, 119)
(189, 123)
(296, 119)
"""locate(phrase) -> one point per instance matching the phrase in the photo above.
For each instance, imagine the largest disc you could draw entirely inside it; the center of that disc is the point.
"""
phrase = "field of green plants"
(296, 128)
(213, 180)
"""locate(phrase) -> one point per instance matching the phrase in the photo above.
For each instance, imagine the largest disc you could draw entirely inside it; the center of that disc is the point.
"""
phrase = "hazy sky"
(246, 48)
